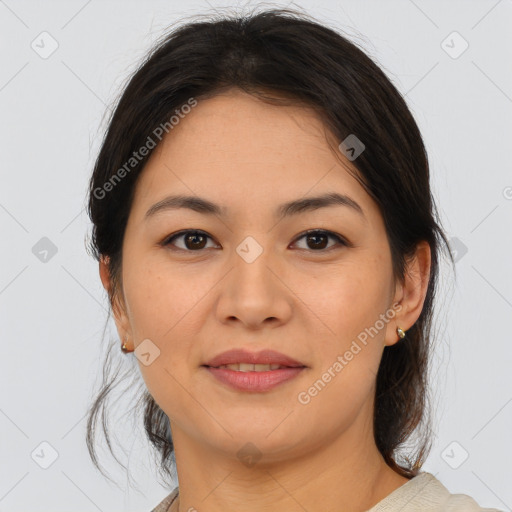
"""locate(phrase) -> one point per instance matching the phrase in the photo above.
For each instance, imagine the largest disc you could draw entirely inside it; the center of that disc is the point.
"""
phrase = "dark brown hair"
(284, 56)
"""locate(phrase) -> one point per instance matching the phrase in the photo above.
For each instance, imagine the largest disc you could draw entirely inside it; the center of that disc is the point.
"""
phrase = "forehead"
(241, 128)
(236, 149)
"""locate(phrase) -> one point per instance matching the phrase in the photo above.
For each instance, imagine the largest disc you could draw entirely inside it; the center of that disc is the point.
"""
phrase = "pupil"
(194, 236)
(313, 237)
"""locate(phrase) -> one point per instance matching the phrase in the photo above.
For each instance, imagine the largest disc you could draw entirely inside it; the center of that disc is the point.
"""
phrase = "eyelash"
(330, 234)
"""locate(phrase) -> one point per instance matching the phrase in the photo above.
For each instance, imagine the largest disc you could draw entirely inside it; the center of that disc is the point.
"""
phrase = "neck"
(330, 476)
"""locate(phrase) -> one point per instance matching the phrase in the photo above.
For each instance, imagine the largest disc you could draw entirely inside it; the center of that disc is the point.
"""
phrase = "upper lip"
(244, 356)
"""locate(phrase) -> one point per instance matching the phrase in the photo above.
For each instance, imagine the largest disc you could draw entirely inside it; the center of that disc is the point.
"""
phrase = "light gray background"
(53, 312)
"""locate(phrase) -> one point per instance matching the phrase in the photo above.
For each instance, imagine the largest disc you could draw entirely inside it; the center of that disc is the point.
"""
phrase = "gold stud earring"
(400, 332)
(124, 348)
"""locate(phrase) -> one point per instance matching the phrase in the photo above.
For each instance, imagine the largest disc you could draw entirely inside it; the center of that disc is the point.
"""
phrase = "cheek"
(351, 300)
(158, 298)
(160, 307)
(165, 306)
(352, 304)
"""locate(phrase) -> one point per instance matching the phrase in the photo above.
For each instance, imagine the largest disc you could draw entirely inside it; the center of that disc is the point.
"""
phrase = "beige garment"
(423, 493)
(165, 505)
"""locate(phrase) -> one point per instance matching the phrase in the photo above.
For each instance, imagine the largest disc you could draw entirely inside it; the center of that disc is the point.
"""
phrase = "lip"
(263, 357)
(254, 381)
(257, 382)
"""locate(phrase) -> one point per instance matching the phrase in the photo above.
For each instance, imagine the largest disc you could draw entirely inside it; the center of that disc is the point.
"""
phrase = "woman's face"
(251, 280)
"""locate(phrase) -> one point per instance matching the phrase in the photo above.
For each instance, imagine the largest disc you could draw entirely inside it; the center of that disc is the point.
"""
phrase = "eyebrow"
(288, 209)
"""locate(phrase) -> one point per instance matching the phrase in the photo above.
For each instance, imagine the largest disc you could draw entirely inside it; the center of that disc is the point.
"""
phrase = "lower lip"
(254, 381)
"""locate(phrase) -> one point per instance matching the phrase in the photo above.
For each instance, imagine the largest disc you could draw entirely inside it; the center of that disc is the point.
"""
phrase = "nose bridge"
(251, 262)
(250, 250)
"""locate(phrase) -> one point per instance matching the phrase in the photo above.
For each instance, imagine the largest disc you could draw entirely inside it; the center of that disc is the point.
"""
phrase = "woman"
(266, 233)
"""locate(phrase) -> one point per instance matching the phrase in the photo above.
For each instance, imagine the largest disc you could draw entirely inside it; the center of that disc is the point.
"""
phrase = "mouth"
(248, 367)
(243, 370)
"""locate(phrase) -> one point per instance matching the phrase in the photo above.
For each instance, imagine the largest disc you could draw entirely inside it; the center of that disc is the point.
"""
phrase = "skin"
(304, 302)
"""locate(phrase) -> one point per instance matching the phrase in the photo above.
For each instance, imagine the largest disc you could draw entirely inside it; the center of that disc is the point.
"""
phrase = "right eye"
(193, 240)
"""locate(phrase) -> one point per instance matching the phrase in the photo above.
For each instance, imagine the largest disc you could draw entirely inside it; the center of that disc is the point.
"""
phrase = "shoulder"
(426, 493)
(164, 505)
(463, 503)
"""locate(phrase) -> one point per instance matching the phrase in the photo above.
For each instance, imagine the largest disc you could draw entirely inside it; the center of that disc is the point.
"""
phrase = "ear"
(117, 304)
(411, 293)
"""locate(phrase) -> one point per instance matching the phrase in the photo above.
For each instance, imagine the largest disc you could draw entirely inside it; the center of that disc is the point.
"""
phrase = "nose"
(253, 293)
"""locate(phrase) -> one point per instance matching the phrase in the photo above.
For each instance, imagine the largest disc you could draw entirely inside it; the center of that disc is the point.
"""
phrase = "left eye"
(195, 240)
